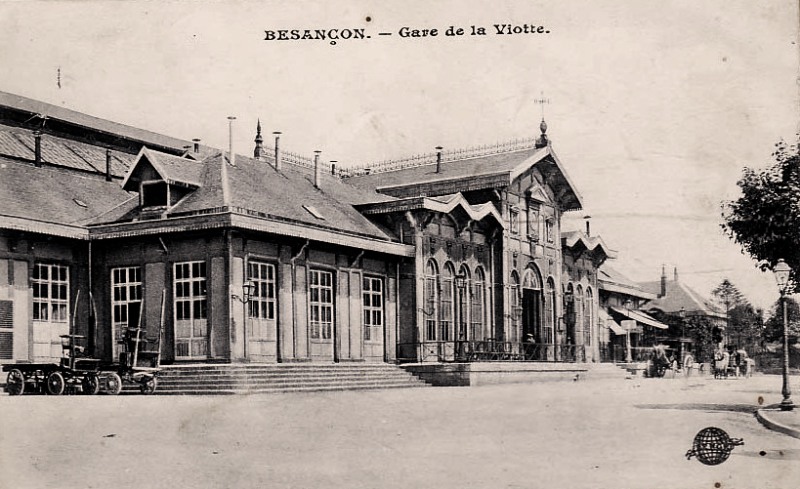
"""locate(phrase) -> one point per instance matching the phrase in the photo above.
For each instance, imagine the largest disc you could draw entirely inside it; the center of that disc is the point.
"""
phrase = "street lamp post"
(248, 289)
(782, 271)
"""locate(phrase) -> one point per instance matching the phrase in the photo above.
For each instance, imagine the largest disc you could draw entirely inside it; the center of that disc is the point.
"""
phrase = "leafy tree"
(743, 322)
(765, 219)
(773, 328)
(728, 295)
(705, 334)
(745, 327)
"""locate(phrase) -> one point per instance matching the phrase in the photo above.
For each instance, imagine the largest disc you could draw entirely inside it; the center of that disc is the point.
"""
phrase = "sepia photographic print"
(360, 244)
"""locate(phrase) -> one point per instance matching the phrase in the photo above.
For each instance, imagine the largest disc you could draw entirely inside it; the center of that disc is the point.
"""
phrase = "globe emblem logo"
(712, 446)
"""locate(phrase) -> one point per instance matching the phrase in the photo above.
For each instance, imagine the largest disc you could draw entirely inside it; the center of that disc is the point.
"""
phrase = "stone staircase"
(607, 371)
(273, 378)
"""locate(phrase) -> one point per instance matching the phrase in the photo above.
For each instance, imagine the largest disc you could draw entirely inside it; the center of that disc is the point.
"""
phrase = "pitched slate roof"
(53, 200)
(611, 280)
(679, 296)
(286, 195)
(58, 151)
(503, 166)
(24, 104)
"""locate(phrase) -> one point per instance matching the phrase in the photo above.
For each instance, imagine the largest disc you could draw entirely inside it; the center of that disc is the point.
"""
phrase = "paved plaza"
(585, 434)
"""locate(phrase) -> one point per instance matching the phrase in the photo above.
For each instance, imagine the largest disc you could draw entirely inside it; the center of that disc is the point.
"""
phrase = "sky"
(654, 106)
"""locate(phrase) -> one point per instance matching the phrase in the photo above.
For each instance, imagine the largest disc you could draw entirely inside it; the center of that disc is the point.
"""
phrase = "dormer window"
(154, 194)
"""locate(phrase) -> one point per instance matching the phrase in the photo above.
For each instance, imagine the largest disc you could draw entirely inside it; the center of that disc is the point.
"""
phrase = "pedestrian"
(530, 347)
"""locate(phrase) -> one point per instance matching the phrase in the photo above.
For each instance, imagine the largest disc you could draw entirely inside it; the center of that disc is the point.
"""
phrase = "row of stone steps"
(606, 371)
(250, 379)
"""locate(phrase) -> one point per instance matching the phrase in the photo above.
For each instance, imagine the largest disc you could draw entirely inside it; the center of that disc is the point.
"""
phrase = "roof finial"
(258, 150)
(542, 141)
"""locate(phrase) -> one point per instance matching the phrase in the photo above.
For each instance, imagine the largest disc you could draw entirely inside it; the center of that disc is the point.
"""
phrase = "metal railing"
(430, 158)
(489, 351)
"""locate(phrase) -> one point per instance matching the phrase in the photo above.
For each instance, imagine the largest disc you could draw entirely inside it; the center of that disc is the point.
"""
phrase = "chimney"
(676, 274)
(333, 167)
(588, 227)
(37, 151)
(663, 281)
(196, 142)
(231, 156)
(108, 165)
(438, 159)
(316, 168)
(277, 150)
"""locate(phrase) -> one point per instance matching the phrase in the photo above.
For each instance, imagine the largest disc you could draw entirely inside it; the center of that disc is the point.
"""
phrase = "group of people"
(736, 362)
(730, 361)
(727, 362)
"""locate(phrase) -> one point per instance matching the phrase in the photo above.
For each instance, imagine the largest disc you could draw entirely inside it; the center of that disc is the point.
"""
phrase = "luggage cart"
(73, 374)
(129, 369)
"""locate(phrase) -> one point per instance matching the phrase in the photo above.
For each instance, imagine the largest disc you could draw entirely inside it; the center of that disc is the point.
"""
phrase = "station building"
(451, 256)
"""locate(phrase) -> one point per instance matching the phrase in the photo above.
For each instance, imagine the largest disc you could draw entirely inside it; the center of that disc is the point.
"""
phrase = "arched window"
(588, 317)
(579, 314)
(431, 304)
(478, 304)
(463, 293)
(516, 310)
(550, 312)
(446, 303)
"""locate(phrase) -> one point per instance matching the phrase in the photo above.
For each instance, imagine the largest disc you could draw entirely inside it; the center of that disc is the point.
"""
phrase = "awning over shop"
(640, 317)
(612, 325)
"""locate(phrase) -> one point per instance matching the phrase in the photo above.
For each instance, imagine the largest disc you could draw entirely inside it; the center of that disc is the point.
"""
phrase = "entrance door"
(126, 303)
(321, 323)
(261, 313)
(531, 314)
(50, 310)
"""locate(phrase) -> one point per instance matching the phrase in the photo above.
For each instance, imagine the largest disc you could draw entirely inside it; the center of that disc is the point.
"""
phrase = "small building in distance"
(679, 305)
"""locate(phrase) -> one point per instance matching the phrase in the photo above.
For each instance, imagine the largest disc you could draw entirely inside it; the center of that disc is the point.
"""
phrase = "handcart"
(73, 374)
(136, 364)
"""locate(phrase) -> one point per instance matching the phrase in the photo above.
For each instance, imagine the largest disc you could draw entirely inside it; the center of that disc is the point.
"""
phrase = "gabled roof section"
(54, 201)
(679, 295)
(445, 204)
(471, 173)
(175, 170)
(577, 241)
(255, 188)
(611, 280)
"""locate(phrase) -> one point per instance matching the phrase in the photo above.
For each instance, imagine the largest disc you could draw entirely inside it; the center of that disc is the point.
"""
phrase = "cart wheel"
(148, 385)
(55, 384)
(15, 383)
(113, 384)
(90, 385)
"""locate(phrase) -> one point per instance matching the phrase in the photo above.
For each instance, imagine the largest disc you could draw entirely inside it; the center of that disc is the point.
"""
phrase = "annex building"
(454, 256)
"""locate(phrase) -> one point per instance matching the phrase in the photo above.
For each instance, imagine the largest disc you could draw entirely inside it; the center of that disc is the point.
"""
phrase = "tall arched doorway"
(569, 314)
(532, 300)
